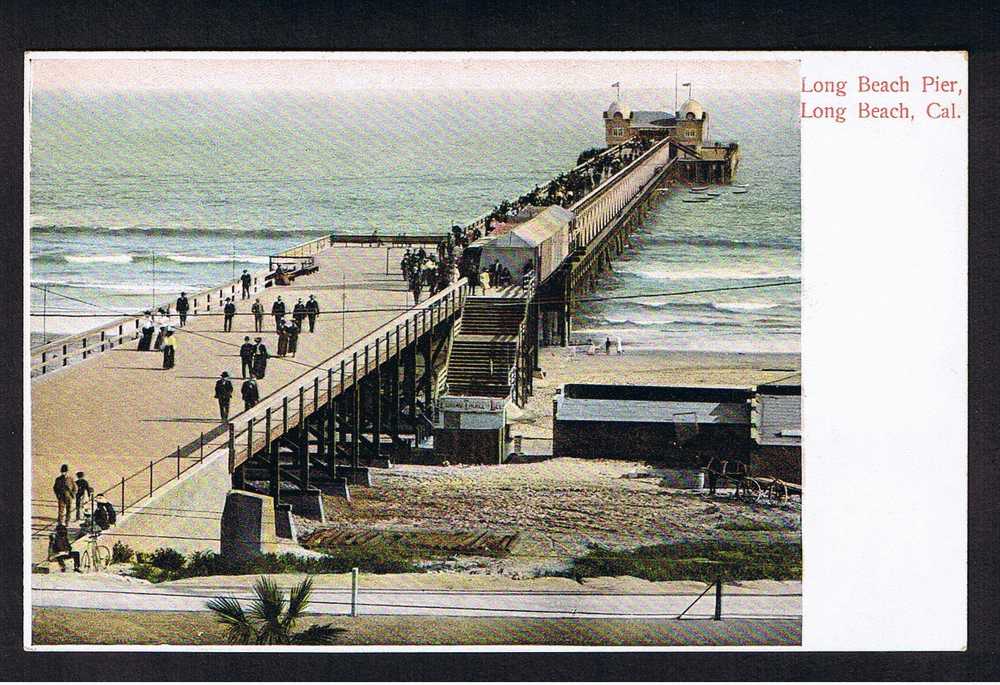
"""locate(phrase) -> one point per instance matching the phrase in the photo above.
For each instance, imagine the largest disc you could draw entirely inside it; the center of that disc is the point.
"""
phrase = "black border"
(562, 25)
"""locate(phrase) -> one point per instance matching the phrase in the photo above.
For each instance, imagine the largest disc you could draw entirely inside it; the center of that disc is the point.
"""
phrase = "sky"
(331, 72)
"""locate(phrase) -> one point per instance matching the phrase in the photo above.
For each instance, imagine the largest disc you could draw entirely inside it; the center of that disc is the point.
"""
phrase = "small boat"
(740, 192)
(713, 194)
(698, 189)
(697, 199)
(741, 185)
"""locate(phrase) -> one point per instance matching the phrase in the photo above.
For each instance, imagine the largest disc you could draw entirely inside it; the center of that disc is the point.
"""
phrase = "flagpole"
(675, 91)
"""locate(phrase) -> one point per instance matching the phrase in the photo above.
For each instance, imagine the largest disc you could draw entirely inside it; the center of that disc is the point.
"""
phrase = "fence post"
(123, 494)
(150, 479)
(201, 447)
(83, 347)
(178, 461)
(354, 591)
(718, 600)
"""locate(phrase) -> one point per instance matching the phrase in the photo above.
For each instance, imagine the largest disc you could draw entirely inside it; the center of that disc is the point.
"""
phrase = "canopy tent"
(543, 241)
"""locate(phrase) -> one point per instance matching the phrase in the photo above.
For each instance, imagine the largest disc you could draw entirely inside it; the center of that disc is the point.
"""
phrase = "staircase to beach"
(484, 353)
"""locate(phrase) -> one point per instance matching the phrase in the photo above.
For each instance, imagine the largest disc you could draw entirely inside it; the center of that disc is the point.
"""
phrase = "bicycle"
(95, 557)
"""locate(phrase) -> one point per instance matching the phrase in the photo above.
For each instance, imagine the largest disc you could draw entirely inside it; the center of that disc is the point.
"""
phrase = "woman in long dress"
(169, 348)
(146, 328)
(282, 339)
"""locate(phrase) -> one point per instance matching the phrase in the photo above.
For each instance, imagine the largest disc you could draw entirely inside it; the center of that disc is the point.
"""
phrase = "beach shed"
(776, 422)
(680, 427)
(542, 240)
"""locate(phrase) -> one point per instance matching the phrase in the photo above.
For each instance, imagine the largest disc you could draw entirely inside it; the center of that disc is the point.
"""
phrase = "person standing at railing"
(146, 330)
(229, 310)
(260, 355)
(83, 490)
(278, 311)
(312, 310)
(169, 348)
(245, 280)
(258, 316)
(182, 308)
(223, 393)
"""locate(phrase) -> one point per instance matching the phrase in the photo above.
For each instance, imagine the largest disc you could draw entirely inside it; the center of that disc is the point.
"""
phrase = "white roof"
(616, 107)
(549, 222)
(692, 106)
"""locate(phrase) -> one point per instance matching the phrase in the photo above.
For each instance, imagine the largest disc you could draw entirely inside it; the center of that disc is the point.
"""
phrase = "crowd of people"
(435, 272)
(92, 512)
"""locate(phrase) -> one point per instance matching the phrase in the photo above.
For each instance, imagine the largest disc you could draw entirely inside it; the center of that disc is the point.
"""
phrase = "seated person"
(104, 513)
(60, 549)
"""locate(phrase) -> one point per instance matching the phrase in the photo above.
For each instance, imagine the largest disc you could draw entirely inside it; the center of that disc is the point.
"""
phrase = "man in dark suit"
(182, 308)
(299, 313)
(245, 281)
(223, 393)
(312, 310)
(246, 357)
(278, 310)
(230, 311)
(250, 392)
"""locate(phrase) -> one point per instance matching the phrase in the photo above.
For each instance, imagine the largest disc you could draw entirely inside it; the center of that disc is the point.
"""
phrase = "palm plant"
(269, 621)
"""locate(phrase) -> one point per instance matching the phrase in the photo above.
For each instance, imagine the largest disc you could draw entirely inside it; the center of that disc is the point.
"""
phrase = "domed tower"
(617, 123)
(692, 124)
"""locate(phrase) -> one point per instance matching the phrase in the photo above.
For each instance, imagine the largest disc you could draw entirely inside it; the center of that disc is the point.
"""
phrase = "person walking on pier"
(260, 355)
(312, 309)
(223, 393)
(65, 490)
(246, 357)
(282, 338)
(278, 311)
(607, 345)
(162, 321)
(245, 281)
(146, 328)
(230, 311)
(250, 392)
(182, 308)
(169, 348)
(258, 316)
(292, 329)
(299, 313)
(83, 490)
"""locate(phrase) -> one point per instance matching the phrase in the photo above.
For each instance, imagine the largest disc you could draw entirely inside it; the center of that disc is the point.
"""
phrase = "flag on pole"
(685, 84)
(616, 84)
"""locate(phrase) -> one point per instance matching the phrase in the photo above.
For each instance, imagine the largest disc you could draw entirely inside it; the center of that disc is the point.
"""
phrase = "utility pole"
(343, 312)
(154, 280)
(45, 298)
(675, 91)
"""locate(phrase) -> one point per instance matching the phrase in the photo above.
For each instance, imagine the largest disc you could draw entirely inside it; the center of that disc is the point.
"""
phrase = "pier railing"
(595, 210)
(55, 355)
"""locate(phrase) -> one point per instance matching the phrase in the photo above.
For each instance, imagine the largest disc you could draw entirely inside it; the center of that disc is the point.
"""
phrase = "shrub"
(167, 559)
(121, 553)
(705, 560)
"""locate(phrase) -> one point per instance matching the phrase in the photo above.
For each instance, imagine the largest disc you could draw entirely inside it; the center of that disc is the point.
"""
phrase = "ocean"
(136, 196)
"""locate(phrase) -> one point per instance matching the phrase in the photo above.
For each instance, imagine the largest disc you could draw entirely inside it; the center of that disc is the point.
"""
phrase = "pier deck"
(113, 413)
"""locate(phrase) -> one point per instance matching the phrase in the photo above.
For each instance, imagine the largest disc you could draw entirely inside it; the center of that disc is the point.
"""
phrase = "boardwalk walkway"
(112, 414)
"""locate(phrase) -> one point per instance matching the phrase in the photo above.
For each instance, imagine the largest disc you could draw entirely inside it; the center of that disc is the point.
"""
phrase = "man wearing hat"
(245, 280)
(223, 393)
(246, 357)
